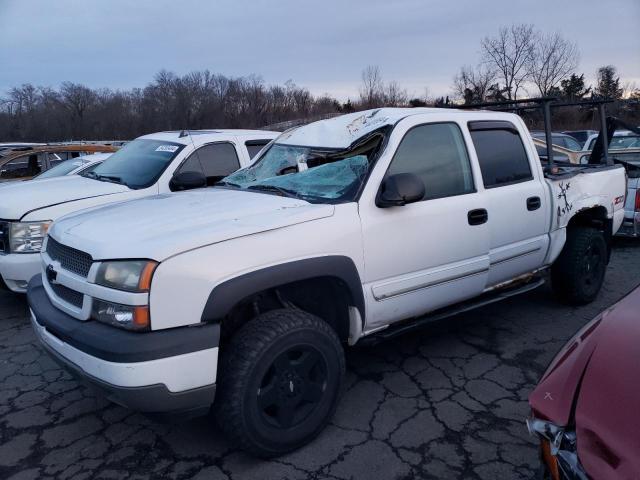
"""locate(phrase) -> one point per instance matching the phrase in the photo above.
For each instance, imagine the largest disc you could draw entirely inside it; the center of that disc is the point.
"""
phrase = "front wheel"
(279, 381)
(578, 273)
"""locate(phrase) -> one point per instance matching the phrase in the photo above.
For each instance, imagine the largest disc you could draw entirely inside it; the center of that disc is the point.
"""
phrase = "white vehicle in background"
(340, 231)
(150, 165)
(621, 139)
(74, 166)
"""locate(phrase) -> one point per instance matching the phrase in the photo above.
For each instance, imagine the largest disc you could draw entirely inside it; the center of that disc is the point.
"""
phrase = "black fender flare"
(226, 295)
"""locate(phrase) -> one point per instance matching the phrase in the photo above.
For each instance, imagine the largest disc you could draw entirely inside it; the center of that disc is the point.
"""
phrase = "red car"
(586, 408)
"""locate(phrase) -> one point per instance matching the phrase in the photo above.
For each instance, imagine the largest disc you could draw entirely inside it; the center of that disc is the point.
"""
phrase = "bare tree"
(509, 53)
(553, 59)
(77, 98)
(394, 95)
(472, 83)
(371, 90)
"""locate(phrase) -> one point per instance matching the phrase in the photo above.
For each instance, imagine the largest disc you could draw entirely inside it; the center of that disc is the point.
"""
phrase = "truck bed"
(580, 187)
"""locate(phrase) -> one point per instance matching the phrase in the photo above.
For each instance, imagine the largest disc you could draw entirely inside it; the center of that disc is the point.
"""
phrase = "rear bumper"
(155, 372)
(17, 269)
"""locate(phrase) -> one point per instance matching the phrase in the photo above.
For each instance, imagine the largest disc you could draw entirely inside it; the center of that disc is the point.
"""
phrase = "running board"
(480, 301)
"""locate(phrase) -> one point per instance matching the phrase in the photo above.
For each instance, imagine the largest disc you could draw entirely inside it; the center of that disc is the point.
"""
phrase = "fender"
(226, 295)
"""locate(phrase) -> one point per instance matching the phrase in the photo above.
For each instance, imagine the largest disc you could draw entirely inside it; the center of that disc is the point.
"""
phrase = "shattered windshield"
(309, 173)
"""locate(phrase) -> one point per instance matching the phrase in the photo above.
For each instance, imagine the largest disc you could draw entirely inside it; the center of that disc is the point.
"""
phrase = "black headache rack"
(608, 125)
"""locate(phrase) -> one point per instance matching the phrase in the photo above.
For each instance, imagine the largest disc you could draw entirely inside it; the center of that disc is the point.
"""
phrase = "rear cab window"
(501, 154)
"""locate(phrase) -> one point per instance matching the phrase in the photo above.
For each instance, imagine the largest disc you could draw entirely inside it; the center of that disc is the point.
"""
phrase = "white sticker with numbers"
(167, 148)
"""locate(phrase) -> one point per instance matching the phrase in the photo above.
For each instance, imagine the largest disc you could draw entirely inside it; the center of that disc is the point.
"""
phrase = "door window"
(501, 154)
(437, 154)
(215, 161)
(254, 146)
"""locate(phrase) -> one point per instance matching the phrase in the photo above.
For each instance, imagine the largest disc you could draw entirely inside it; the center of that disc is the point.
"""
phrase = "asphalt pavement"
(448, 401)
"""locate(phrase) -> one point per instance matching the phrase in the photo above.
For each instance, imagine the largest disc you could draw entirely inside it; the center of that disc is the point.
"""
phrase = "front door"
(434, 252)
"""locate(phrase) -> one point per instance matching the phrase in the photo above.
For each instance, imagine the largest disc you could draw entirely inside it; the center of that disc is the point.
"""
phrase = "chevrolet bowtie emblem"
(52, 275)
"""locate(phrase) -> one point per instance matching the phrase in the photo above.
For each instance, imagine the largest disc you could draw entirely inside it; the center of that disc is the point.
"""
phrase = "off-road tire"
(575, 278)
(256, 353)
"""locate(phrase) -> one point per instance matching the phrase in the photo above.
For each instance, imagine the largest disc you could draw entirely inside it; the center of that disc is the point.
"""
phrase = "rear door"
(517, 200)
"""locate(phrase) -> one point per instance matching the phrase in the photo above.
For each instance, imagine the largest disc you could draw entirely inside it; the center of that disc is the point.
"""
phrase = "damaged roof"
(340, 132)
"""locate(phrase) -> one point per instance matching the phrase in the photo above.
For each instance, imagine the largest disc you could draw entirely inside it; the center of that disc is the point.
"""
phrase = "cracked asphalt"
(448, 401)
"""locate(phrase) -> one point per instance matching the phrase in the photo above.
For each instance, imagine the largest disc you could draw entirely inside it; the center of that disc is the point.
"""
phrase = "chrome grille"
(4, 237)
(67, 294)
(70, 259)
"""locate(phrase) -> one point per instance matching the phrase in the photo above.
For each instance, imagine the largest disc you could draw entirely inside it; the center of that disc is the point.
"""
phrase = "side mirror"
(400, 189)
(187, 181)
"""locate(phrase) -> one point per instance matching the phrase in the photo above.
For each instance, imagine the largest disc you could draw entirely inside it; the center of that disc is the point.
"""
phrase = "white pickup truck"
(341, 231)
(149, 165)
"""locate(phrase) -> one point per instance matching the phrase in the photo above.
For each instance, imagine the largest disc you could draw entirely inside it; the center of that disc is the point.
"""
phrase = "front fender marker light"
(141, 315)
(146, 276)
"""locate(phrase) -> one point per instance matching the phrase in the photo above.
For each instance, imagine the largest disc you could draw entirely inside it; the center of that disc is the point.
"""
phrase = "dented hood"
(594, 383)
(19, 198)
(161, 226)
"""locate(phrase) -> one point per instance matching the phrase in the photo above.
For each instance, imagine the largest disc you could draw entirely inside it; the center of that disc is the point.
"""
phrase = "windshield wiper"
(223, 183)
(105, 178)
(272, 188)
(109, 178)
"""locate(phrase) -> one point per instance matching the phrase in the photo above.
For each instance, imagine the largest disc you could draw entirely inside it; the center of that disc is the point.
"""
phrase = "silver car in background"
(631, 160)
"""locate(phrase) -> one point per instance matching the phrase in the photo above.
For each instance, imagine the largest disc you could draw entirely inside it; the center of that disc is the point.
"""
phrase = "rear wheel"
(578, 273)
(279, 381)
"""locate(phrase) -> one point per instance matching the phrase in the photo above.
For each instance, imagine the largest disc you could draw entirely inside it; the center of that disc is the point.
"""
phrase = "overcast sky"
(322, 45)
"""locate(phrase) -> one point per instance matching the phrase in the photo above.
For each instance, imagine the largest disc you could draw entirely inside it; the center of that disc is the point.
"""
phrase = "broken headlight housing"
(558, 450)
(27, 237)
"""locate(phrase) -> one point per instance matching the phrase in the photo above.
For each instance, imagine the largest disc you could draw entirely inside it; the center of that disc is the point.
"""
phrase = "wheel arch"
(325, 286)
(596, 217)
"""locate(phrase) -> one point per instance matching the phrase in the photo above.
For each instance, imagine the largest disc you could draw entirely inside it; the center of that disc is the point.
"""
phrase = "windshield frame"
(376, 152)
(153, 180)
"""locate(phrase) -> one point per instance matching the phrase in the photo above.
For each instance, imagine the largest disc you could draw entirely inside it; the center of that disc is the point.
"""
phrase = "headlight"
(123, 316)
(131, 276)
(27, 237)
